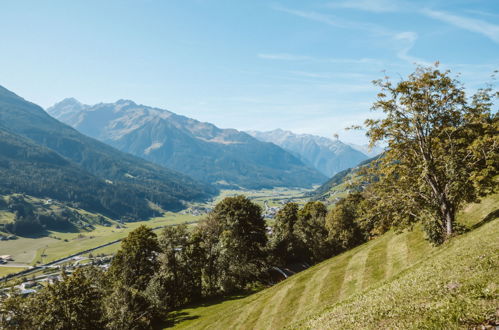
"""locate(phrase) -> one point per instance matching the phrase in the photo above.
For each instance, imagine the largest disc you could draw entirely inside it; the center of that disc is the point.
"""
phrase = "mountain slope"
(395, 281)
(130, 180)
(338, 185)
(327, 156)
(201, 150)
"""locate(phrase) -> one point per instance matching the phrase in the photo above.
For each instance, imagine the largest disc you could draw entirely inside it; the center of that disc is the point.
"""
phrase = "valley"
(31, 251)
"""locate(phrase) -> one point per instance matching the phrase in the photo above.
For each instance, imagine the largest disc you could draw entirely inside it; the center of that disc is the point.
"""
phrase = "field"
(364, 286)
(274, 197)
(58, 244)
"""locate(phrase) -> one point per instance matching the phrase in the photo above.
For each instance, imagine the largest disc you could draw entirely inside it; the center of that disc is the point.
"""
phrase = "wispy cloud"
(408, 39)
(375, 6)
(285, 57)
(471, 24)
(405, 40)
(295, 57)
(335, 21)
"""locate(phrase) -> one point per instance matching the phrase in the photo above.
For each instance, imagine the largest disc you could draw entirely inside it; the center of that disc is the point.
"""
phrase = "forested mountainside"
(46, 158)
(225, 157)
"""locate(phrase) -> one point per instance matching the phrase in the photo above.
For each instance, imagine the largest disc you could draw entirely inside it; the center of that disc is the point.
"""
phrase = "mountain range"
(224, 157)
(43, 157)
(326, 155)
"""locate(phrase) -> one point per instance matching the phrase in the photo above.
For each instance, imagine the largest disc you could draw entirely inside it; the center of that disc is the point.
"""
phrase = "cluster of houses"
(31, 286)
(270, 211)
(5, 259)
(197, 210)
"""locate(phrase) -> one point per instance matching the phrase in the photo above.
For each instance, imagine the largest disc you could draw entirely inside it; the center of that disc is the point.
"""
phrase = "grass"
(395, 281)
(9, 270)
(457, 288)
(6, 217)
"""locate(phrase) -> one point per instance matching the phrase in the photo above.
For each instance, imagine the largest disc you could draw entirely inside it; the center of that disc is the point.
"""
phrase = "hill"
(225, 157)
(48, 159)
(395, 281)
(338, 185)
(327, 156)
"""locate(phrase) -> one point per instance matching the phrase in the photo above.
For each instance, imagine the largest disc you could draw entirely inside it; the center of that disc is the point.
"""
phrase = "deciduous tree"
(442, 149)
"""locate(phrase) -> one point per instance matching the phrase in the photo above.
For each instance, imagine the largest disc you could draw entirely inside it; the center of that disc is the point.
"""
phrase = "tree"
(286, 247)
(73, 303)
(136, 261)
(342, 223)
(238, 250)
(442, 150)
(178, 279)
(127, 305)
(312, 232)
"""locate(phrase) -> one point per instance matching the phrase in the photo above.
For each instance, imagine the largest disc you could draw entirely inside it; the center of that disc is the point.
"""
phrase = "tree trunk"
(448, 217)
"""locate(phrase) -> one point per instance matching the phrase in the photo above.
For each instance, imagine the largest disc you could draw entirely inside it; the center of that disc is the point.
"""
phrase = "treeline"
(230, 251)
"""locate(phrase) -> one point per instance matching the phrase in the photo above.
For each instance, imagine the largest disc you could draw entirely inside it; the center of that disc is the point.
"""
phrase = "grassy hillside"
(392, 278)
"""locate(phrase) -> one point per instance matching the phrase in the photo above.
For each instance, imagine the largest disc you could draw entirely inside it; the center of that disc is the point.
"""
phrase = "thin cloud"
(335, 21)
(408, 38)
(375, 6)
(295, 57)
(285, 57)
(471, 24)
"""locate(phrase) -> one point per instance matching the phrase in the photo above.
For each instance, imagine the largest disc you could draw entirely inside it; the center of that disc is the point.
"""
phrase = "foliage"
(442, 150)
(342, 223)
(312, 232)
(285, 246)
(73, 303)
(240, 247)
(136, 261)
(178, 279)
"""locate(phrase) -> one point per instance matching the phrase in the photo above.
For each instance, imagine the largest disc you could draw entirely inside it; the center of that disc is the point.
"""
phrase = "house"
(7, 257)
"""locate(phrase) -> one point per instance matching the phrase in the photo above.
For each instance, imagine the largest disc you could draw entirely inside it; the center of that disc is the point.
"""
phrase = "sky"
(305, 66)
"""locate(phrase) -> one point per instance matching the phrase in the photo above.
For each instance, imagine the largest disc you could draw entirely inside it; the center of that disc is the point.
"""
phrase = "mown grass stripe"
(288, 304)
(255, 321)
(330, 289)
(354, 273)
(396, 258)
(375, 265)
(312, 291)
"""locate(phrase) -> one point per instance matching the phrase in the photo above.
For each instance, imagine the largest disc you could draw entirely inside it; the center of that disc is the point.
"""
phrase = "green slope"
(369, 282)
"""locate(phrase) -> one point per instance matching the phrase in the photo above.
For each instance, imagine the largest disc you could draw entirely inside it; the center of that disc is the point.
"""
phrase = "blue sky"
(306, 66)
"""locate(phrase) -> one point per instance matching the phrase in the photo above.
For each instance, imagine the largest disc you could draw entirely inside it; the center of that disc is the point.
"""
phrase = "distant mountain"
(225, 157)
(45, 158)
(370, 152)
(327, 156)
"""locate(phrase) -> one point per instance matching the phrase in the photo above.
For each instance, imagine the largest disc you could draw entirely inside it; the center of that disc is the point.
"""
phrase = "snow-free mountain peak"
(326, 155)
(199, 149)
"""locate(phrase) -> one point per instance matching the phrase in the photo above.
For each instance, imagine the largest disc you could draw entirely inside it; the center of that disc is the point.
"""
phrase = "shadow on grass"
(179, 316)
(491, 216)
